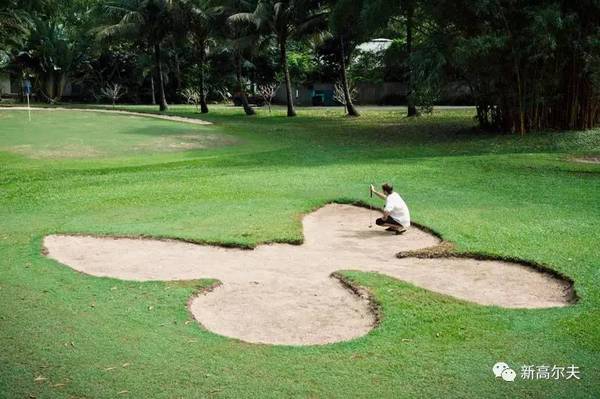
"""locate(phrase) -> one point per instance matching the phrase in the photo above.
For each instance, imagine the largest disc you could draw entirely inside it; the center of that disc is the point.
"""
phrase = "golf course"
(237, 184)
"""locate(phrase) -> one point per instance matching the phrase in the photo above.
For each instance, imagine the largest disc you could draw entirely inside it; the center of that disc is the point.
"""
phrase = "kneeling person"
(395, 213)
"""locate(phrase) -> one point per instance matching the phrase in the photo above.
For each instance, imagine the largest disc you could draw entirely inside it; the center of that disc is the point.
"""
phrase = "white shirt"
(395, 205)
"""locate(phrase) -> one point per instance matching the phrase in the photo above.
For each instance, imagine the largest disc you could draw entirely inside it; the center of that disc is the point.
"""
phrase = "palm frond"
(312, 24)
(242, 18)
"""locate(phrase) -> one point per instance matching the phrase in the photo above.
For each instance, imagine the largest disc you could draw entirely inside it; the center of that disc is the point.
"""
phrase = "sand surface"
(285, 294)
(589, 159)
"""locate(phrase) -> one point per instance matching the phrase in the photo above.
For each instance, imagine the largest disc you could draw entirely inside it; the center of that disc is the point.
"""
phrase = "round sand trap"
(286, 294)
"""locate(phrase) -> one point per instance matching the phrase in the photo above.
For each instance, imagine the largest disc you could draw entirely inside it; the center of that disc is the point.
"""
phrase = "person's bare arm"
(380, 195)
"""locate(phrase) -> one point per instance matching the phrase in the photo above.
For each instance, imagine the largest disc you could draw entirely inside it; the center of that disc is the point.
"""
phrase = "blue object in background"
(323, 97)
(27, 87)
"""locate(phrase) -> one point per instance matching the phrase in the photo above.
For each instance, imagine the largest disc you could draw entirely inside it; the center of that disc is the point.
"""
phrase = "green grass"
(47, 136)
(501, 195)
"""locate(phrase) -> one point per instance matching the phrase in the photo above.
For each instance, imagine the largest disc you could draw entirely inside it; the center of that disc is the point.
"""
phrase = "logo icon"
(509, 375)
(503, 370)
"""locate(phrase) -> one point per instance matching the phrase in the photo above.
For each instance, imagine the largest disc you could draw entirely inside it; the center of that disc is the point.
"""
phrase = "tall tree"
(378, 13)
(57, 44)
(145, 69)
(51, 55)
(348, 33)
(530, 67)
(287, 20)
(14, 27)
(195, 21)
(147, 21)
(240, 40)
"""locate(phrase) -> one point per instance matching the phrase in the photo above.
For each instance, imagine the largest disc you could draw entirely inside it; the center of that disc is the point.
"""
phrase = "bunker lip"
(362, 292)
(283, 294)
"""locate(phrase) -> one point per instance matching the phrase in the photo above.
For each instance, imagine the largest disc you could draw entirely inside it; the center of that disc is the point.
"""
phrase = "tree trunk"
(161, 84)
(61, 83)
(152, 87)
(348, 98)
(520, 92)
(241, 91)
(177, 73)
(203, 105)
(410, 97)
(286, 73)
(50, 85)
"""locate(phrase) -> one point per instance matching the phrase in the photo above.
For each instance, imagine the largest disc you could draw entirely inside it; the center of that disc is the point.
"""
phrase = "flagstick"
(370, 209)
(28, 108)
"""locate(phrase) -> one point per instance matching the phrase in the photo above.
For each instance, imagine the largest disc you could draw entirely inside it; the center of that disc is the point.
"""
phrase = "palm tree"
(148, 21)
(51, 55)
(14, 27)
(287, 20)
(378, 13)
(195, 21)
(145, 66)
(348, 33)
(241, 40)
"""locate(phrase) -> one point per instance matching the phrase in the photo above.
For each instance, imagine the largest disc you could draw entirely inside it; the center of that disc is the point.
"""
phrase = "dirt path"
(115, 111)
(284, 294)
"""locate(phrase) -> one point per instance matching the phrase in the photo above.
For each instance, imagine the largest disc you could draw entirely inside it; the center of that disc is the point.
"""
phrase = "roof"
(375, 45)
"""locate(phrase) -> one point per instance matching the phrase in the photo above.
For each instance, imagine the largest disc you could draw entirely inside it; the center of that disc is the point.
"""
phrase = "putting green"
(60, 133)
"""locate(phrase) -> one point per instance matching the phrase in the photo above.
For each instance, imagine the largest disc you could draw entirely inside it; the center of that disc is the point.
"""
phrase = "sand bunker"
(286, 294)
(588, 159)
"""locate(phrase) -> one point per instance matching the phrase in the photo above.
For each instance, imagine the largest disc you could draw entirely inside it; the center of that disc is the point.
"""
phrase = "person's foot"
(399, 231)
(390, 229)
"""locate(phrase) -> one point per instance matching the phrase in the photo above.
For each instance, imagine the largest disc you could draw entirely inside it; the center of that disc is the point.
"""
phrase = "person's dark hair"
(387, 188)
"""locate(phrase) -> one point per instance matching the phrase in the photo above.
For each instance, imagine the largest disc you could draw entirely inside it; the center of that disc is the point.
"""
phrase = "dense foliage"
(531, 65)
(528, 65)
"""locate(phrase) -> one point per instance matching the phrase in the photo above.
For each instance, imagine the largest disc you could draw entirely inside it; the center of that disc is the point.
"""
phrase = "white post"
(28, 108)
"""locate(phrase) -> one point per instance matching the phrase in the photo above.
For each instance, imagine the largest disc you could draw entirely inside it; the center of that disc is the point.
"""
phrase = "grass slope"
(102, 338)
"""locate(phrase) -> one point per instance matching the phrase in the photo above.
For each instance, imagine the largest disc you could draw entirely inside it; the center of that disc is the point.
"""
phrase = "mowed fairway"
(244, 181)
